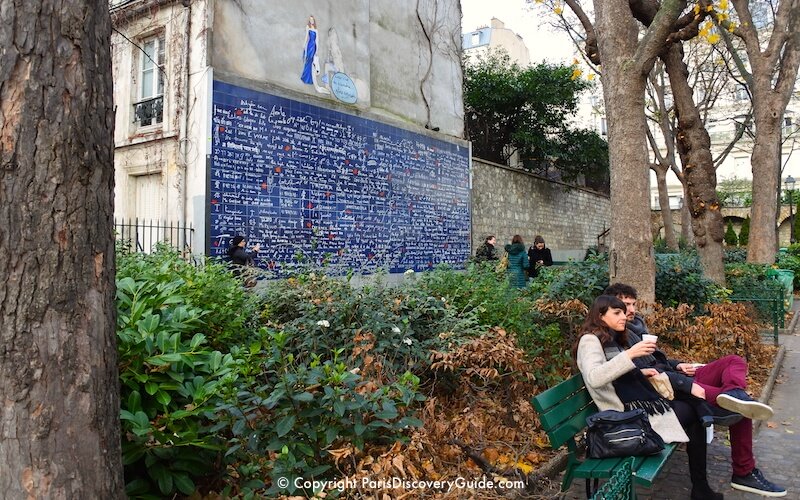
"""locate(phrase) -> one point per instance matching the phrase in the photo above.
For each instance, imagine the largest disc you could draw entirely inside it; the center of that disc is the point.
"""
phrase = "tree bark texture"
(59, 420)
(663, 202)
(631, 255)
(687, 235)
(763, 242)
(700, 176)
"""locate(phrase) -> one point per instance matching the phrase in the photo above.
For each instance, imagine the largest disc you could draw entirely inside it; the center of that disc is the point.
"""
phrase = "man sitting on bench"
(723, 382)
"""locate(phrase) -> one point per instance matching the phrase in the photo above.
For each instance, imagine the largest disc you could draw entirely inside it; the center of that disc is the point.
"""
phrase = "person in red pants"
(722, 384)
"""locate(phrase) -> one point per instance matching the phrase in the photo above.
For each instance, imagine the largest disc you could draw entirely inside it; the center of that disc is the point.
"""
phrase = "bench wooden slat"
(567, 409)
(647, 468)
(567, 430)
(563, 410)
(598, 467)
(546, 400)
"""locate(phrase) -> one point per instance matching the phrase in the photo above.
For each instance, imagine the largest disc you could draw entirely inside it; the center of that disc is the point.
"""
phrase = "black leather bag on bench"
(613, 433)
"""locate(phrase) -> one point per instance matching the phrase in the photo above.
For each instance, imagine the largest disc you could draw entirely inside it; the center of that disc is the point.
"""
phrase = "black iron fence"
(143, 235)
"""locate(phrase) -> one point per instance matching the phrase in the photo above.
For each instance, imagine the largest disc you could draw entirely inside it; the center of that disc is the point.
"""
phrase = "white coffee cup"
(650, 338)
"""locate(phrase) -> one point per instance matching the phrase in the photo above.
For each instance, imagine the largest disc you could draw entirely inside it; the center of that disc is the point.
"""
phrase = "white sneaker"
(738, 401)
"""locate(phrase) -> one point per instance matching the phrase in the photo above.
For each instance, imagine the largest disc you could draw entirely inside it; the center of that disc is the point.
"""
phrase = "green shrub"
(660, 246)
(730, 237)
(169, 381)
(744, 232)
(793, 249)
(229, 310)
(796, 221)
(576, 280)
(322, 314)
(735, 255)
(296, 411)
(482, 292)
(750, 281)
(680, 280)
(593, 251)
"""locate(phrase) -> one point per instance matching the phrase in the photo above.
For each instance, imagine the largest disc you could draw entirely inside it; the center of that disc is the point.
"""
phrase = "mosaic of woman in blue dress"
(310, 58)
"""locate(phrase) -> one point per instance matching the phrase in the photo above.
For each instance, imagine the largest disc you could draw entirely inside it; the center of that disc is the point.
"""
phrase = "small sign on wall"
(344, 89)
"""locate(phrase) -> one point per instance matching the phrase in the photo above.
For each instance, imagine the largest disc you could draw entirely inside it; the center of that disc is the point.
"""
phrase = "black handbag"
(613, 433)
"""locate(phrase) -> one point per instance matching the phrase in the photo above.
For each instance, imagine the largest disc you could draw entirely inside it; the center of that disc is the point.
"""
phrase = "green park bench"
(562, 411)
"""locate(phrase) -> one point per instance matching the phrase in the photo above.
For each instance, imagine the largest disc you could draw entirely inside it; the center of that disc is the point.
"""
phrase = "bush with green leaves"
(660, 246)
(483, 292)
(582, 280)
(793, 249)
(680, 280)
(750, 281)
(735, 255)
(230, 311)
(287, 418)
(169, 381)
(744, 232)
(408, 321)
(730, 237)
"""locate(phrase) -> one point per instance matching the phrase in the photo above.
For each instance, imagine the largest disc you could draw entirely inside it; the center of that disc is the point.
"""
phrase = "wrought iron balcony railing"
(149, 111)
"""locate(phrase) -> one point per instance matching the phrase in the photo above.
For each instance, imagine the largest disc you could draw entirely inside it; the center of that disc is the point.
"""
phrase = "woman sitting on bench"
(606, 363)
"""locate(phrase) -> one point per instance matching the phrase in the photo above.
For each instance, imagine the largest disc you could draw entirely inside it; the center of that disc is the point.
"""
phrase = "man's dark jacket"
(658, 360)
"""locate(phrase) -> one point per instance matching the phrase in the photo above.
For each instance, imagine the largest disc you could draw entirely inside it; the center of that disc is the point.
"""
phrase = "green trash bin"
(786, 278)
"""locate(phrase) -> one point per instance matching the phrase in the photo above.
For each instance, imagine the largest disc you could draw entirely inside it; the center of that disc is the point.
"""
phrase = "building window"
(476, 38)
(603, 127)
(741, 93)
(149, 109)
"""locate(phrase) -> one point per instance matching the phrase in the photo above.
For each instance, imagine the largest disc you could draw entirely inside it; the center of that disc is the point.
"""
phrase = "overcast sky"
(542, 44)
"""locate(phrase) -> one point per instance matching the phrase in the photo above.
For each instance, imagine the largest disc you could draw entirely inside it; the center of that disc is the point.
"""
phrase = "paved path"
(777, 445)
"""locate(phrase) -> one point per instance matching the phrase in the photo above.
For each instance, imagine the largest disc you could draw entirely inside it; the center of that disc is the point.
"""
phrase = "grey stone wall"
(506, 202)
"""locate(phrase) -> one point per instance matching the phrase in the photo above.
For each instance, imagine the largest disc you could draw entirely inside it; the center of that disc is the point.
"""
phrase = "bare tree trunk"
(59, 422)
(694, 148)
(763, 242)
(631, 254)
(663, 202)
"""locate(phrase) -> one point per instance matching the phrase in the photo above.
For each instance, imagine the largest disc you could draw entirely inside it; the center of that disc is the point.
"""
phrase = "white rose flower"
(323, 323)
(407, 341)
(409, 272)
(395, 329)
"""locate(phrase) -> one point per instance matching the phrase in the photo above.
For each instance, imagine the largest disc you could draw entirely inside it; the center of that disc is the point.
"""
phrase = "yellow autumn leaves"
(709, 29)
(577, 72)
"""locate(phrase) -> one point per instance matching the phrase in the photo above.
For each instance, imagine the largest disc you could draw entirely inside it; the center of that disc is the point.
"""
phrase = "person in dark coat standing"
(517, 262)
(538, 256)
(239, 255)
(487, 252)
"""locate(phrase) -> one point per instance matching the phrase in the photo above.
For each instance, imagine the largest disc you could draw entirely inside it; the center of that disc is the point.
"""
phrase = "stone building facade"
(401, 60)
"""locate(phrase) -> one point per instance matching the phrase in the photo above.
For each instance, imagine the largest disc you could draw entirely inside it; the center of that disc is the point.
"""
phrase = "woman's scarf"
(633, 388)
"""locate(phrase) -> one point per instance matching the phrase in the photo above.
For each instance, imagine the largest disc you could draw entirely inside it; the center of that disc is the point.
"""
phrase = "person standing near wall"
(238, 253)
(538, 256)
(517, 262)
(487, 252)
